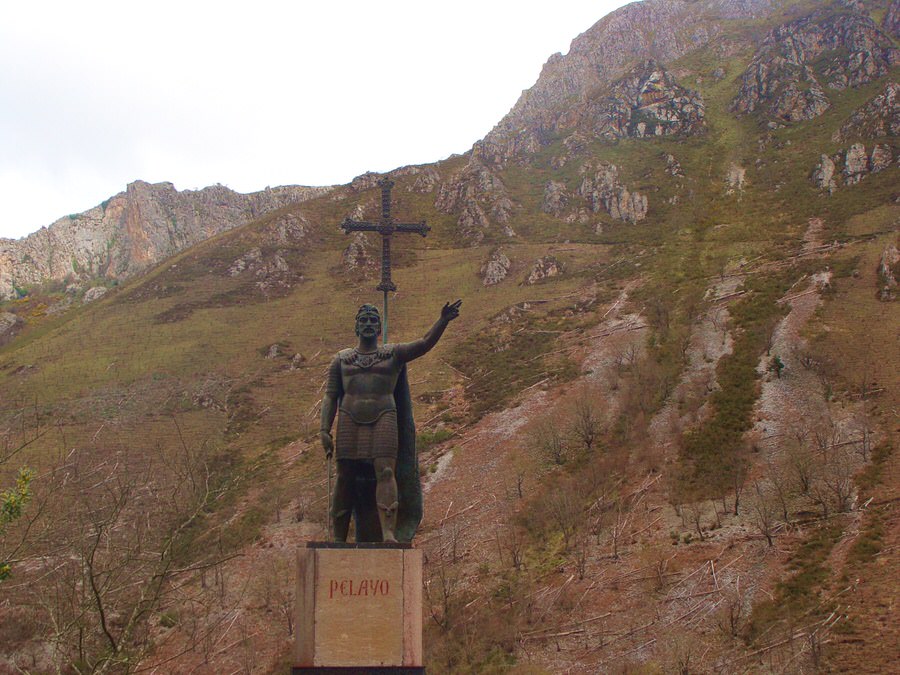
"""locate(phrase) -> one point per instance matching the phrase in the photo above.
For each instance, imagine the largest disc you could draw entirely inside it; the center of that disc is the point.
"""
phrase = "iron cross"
(386, 228)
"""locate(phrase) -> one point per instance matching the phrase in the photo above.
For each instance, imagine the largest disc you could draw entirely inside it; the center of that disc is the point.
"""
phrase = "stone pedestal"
(358, 609)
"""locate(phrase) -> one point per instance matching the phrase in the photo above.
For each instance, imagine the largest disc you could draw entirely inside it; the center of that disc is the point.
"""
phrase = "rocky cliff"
(654, 32)
(799, 61)
(131, 231)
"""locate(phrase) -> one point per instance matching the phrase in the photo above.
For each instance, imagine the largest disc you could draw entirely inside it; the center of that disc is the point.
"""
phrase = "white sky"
(96, 94)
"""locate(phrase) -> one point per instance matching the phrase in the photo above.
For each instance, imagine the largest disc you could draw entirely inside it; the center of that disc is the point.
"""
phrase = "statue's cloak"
(409, 488)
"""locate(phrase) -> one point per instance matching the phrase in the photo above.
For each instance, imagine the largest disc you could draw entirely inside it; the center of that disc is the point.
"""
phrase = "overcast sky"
(96, 94)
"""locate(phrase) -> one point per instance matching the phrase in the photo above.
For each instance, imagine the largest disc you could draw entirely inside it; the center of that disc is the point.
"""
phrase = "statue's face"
(368, 325)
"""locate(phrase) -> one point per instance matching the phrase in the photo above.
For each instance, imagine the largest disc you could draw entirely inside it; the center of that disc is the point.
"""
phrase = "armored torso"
(368, 382)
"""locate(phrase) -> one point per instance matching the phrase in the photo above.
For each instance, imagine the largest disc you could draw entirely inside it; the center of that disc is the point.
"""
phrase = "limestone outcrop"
(556, 198)
(851, 165)
(824, 174)
(134, 230)
(9, 327)
(656, 30)
(601, 187)
(495, 269)
(543, 268)
(888, 269)
(891, 22)
(878, 117)
(735, 179)
(781, 84)
(646, 102)
(268, 268)
(479, 197)
(94, 293)
(357, 256)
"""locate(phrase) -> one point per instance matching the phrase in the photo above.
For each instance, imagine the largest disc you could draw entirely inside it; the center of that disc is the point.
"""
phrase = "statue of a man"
(368, 384)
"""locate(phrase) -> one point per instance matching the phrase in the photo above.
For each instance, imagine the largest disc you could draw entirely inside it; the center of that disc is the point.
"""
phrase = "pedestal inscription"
(359, 606)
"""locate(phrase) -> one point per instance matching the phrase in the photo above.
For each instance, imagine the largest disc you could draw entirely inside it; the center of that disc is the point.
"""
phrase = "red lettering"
(358, 587)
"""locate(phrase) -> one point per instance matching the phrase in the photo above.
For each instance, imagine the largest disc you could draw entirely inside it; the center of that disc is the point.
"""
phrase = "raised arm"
(407, 351)
(334, 390)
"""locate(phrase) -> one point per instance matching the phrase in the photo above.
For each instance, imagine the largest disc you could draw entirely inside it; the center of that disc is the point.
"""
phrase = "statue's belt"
(378, 415)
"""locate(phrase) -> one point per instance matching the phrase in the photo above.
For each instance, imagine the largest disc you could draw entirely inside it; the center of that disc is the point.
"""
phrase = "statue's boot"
(386, 499)
(388, 517)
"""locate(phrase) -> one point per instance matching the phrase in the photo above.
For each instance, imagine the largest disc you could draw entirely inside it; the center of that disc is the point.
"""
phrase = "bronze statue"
(375, 431)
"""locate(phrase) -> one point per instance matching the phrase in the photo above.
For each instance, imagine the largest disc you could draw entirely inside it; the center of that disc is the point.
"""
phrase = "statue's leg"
(386, 496)
(342, 503)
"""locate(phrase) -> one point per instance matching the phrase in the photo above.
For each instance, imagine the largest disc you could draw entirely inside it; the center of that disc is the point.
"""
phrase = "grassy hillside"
(171, 425)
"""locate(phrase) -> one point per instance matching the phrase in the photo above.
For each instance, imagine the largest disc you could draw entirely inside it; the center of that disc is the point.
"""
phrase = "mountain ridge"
(131, 231)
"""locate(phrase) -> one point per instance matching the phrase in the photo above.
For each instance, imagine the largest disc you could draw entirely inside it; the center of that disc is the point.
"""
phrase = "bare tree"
(586, 420)
(565, 511)
(511, 545)
(548, 442)
(838, 478)
(731, 616)
(695, 513)
(443, 579)
(779, 480)
(803, 467)
(764, 511)
(122, 553)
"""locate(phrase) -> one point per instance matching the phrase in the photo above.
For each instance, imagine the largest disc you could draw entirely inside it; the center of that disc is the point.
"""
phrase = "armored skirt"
(366, 441)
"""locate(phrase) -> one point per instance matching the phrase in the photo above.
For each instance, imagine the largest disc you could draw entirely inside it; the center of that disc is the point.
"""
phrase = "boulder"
(824, 174)
(881, 158)
(891, 22)
(8, 322)
(888, 268)
(543, 268)
(556, 198)
(673, 167)
(357, 256)
(495, 269)
(735, 179)
(856, 164)
(94, 293)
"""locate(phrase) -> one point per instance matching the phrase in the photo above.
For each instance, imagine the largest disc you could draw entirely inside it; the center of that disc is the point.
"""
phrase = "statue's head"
(368, 321)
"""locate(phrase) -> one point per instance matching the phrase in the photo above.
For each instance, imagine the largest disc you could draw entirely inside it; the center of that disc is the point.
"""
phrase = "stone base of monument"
(358, 609)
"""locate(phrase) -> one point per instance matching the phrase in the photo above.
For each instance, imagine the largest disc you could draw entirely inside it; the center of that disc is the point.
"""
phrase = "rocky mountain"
(662, 436)
(654, 31)
(132, 231)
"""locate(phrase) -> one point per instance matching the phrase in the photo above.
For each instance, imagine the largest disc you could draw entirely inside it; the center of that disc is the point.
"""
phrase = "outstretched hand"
(450, 312)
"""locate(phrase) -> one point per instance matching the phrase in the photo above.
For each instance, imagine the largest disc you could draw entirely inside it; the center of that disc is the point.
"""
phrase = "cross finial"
(386, 228)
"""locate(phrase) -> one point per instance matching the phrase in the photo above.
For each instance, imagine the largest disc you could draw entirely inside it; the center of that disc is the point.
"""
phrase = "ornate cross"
(386, 228)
